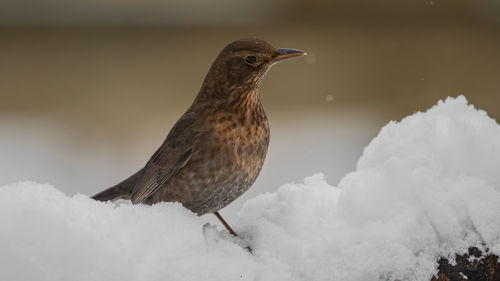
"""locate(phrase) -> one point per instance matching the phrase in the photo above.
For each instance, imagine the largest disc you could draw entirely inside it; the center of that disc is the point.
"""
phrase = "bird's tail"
(119, 191)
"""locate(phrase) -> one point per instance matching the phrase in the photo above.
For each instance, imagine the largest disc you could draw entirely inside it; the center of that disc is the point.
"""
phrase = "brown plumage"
(216, 150)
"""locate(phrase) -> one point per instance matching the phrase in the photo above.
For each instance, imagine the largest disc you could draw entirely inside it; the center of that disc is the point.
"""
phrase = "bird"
(215, 151)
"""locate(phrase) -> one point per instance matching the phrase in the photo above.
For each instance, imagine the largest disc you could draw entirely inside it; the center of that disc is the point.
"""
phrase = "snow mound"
(425, 187)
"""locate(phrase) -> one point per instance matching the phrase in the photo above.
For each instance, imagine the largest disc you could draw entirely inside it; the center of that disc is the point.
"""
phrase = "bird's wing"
(172, 156)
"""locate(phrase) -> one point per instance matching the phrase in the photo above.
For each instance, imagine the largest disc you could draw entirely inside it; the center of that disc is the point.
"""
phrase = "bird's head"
(241, 65)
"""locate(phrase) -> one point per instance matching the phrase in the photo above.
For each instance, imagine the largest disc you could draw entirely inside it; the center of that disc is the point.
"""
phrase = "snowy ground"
(425, 187)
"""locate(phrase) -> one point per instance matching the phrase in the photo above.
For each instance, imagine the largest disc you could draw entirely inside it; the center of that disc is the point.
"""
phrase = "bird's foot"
(213, 236)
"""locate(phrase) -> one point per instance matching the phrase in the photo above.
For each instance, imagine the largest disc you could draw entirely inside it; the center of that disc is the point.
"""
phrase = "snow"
(425, 187)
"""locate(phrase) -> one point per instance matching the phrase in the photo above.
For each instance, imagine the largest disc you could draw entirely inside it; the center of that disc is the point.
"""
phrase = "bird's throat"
(246, 101)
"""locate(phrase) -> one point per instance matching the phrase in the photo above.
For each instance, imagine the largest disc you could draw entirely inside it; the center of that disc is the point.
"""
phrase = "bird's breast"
(242, 140)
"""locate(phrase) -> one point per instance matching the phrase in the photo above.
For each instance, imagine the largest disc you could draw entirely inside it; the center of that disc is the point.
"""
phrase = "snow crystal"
(425, 187)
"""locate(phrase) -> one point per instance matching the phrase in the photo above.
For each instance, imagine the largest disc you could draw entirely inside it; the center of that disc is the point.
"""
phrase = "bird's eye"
(251, 59)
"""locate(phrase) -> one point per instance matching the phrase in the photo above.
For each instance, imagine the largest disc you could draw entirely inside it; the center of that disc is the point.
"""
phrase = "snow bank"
(425, 187)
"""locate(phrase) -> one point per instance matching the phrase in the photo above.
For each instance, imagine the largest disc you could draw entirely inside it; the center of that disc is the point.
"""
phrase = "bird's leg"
(225, 224)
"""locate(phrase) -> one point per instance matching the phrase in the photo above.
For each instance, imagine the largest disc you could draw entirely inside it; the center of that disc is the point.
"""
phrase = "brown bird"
(215, 151)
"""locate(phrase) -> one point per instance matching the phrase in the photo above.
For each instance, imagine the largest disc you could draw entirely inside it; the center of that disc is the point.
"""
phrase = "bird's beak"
(282, 54)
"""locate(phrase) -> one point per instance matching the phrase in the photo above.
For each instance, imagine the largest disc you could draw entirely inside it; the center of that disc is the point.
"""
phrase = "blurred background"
(89, 89)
